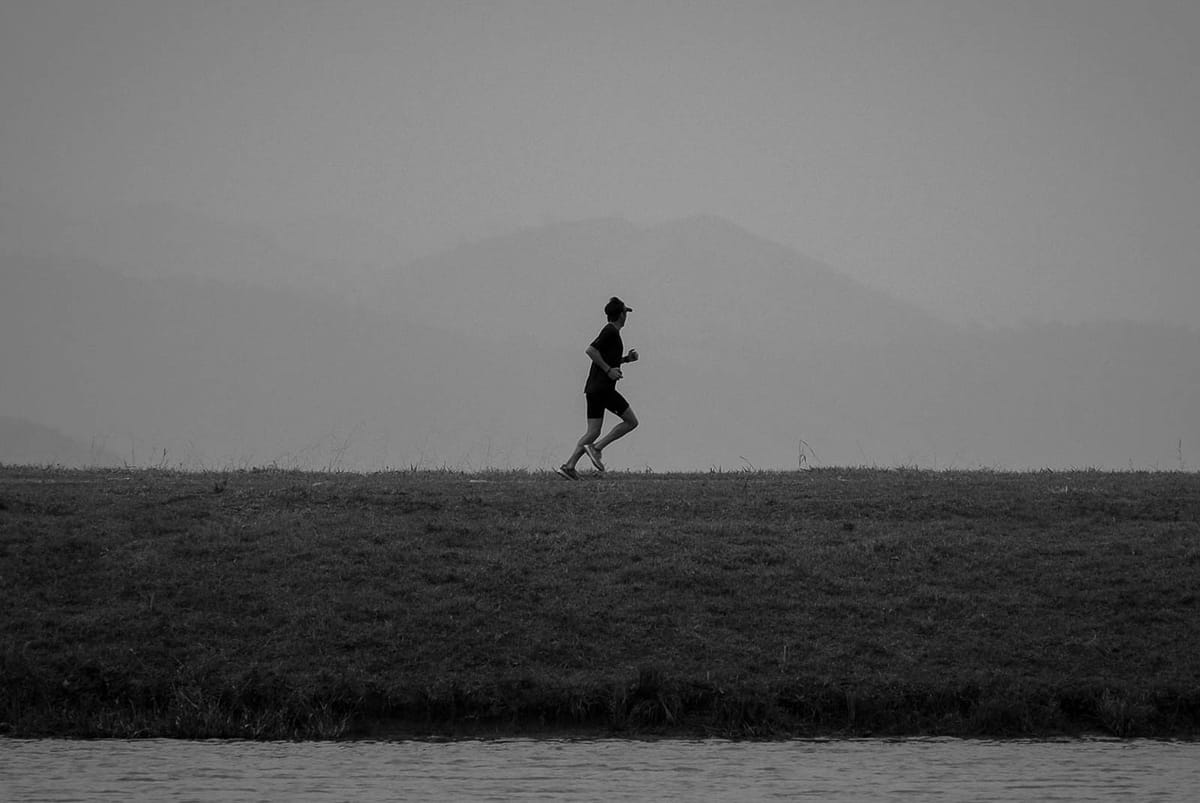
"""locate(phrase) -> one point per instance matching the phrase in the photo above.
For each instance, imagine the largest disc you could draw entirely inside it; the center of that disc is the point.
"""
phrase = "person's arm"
(594, 353)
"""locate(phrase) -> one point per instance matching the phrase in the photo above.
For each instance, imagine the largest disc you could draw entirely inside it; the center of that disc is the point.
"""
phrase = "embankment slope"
(269, 604)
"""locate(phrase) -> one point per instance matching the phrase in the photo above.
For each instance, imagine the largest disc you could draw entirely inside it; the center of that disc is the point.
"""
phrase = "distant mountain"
(534, 285)
(24, 442)
(701, 285)
(203, 373)
(753, 355)
(753, 351)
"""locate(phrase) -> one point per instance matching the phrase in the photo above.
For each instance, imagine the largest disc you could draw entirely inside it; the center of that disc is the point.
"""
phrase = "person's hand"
(633, 356)
(614, 373)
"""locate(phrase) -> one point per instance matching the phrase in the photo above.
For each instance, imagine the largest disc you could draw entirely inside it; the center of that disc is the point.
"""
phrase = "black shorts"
(603, 400)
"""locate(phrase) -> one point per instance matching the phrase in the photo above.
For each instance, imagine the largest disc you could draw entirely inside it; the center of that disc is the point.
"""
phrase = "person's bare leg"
(593, 432)
(627, 424)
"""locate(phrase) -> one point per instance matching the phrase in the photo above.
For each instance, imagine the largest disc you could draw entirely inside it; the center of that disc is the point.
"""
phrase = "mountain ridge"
(475, 358)
(698, 278)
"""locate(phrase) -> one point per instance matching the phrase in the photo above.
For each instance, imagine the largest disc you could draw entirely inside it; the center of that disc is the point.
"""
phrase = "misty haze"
(374, 235)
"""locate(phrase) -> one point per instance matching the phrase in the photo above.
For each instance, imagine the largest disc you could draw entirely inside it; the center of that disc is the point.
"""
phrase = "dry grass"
(270, 603)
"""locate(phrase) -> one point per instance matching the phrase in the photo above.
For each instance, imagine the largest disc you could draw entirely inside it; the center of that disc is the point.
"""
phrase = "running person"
(601, 391)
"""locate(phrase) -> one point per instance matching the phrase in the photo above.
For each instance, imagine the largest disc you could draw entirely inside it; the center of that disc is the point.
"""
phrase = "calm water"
(920, 769)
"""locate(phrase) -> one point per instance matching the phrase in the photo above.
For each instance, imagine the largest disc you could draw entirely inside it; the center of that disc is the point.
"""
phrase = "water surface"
(854, 770)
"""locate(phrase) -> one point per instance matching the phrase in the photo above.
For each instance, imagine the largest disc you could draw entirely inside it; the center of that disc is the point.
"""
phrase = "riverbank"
(276, 604)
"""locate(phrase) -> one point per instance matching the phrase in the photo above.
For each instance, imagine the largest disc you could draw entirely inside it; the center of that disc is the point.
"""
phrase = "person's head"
(615, 310)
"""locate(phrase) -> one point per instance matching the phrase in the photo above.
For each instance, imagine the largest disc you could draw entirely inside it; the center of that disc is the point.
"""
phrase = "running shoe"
(567, 473)
(594, 455)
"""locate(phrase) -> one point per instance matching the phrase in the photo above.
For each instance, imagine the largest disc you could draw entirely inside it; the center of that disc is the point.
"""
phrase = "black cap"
(615, 307)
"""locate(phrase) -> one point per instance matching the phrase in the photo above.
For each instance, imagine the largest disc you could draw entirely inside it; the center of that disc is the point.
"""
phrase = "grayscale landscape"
(753, 356)
(379, 236)
(298, 300)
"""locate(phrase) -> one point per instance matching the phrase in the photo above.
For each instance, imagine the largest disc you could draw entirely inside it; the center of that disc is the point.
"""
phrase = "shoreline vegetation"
(272, 604)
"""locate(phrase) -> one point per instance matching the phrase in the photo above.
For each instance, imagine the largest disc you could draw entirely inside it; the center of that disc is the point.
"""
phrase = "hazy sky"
(997, 161)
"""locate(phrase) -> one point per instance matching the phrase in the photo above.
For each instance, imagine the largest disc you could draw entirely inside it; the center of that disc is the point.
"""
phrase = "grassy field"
(274, 604)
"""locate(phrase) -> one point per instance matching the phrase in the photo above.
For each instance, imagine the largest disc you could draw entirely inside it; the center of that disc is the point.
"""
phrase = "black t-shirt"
(609, 344)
